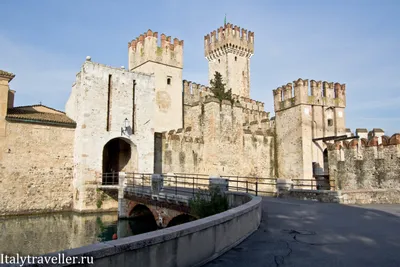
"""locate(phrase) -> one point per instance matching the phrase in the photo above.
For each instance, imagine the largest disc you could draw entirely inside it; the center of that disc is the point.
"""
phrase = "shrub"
(208, 202)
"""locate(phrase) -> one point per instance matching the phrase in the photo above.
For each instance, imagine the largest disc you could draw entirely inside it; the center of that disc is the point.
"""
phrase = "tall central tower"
(228, 51)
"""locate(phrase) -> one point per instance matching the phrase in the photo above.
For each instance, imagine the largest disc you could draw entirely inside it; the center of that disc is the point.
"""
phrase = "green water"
(40, 234)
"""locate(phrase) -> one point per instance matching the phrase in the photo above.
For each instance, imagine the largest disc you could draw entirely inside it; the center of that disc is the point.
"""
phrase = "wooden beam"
(335, 138)
(351, 137)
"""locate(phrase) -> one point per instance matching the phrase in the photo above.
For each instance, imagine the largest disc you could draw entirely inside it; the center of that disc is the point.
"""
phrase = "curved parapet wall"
(190, 244)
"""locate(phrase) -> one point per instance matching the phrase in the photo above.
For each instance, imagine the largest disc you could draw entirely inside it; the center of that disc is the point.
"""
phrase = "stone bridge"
(165, 197)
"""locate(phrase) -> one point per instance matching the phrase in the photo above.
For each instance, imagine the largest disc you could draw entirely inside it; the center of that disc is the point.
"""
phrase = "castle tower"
(228, 51)
(147, 54)
(300, 117)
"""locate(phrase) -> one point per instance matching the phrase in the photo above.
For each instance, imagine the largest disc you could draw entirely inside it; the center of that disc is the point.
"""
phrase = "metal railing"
(138, 181)
(111, 178)
(250, 184)
(320, 183)
(190, 184)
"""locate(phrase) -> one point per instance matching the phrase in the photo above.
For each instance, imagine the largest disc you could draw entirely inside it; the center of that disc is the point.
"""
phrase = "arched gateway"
(119, 155)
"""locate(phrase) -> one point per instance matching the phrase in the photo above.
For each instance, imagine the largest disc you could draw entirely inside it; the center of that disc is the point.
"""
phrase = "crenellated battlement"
(181, 135)
(364, 142)
(262, 127)
(195, 93)
(311, 93)
(362, 164)
(149, 47)
(249, 103)
(229, 38)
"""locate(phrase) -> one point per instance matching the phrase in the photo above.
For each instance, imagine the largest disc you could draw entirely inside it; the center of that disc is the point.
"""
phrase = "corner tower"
(306, 115)
(148, 54)
(228, 51)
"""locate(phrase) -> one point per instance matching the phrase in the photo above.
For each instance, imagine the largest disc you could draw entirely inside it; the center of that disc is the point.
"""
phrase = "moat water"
(41, 234)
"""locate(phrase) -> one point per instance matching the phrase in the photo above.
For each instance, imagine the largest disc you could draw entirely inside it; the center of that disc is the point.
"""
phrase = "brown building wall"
(36, 168)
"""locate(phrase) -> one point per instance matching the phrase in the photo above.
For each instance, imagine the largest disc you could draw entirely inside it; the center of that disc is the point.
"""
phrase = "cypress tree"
(218, 88)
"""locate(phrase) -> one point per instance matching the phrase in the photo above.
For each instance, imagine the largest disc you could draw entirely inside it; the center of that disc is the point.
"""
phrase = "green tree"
(218, 88)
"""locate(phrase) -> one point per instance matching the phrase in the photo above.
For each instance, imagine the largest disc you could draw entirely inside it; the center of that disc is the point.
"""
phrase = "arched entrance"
(118, 156)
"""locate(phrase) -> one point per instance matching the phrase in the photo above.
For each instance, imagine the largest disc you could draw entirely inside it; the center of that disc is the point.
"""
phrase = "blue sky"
(354, 42)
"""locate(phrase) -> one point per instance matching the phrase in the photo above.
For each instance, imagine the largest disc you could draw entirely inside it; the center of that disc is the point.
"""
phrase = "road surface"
(307, 233)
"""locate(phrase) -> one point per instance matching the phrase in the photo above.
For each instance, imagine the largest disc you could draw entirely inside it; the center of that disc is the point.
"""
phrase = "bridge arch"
(119, 155)
(140, 210)
(163, 214)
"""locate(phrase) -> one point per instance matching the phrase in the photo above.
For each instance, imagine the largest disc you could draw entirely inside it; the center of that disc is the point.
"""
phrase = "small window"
(330, 122)
(219, 60)
(169, 80)
(235, 58)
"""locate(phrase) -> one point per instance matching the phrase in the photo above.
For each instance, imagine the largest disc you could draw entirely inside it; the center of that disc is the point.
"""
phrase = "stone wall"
(365, 171)
(36, 169)
(289, 143)
(314, 195)
(168, 99)
(371, 196)
(217, 141)
(98, 86)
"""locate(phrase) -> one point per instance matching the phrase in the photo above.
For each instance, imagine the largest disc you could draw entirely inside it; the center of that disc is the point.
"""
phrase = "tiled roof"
(38, 114)
(50, 110)
(8, 75)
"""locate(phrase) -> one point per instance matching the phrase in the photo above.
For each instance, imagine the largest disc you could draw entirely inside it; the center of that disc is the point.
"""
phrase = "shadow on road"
(307, 233)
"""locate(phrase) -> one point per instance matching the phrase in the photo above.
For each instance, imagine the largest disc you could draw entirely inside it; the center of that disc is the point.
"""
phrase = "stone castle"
(147, 119)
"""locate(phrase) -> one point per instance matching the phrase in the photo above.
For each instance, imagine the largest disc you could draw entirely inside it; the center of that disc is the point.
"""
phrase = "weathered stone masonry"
(305, 111)
(219, 141)
(36, 169)
(87, 106)
(367, 171)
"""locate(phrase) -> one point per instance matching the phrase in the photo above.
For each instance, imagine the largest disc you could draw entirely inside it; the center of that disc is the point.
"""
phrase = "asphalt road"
(307, 233)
